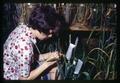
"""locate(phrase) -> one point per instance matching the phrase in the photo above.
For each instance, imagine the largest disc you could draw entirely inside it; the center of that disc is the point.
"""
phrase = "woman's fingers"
(60, 54)
(54, 56)
(51, 62)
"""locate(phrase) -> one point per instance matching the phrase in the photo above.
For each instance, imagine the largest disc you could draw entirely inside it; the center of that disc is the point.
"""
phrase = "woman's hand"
(54, 56)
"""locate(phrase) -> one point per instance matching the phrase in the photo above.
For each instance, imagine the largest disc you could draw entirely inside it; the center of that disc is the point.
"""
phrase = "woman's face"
(42, 36)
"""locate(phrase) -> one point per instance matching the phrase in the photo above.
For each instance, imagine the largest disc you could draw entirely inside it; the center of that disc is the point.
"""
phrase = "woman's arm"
(35, 73)
(44, 57)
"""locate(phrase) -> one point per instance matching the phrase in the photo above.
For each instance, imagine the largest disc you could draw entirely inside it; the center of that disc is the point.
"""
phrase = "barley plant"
(98, 63)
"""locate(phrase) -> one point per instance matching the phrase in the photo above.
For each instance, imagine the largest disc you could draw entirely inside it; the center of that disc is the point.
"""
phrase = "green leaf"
(99, 49)
(91, 34)
(87, 75)
(92, 63)
(109, 45)
(109, 64)
(97, 74)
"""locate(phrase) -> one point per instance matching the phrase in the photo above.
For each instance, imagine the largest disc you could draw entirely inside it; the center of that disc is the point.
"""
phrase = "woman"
(44, 23)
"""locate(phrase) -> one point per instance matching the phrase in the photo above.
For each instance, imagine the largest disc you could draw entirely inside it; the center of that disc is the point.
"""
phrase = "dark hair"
(43, 18)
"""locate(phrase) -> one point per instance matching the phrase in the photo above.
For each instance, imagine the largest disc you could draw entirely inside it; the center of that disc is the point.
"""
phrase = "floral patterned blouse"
(17, 53)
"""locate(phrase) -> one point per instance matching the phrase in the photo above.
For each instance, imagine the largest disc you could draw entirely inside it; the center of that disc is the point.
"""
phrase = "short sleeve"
(26, 53)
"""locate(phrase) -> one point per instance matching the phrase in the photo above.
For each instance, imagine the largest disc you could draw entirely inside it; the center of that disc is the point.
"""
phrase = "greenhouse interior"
(85, 41)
